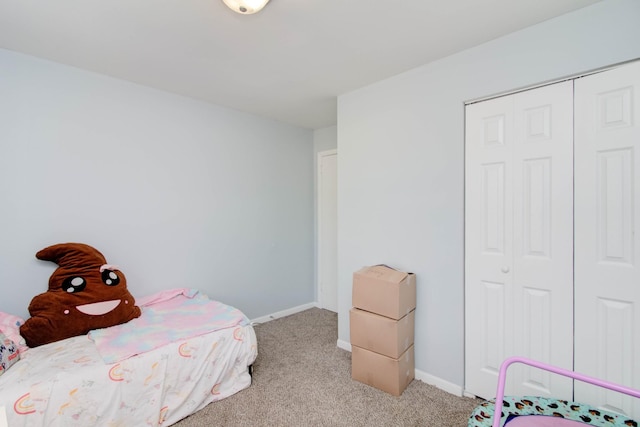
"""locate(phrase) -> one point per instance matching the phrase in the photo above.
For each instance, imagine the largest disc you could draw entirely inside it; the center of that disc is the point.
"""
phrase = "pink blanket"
(166, 317)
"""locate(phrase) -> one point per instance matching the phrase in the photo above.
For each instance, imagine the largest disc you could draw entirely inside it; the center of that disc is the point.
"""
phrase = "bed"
(184, 352)
(529, 411)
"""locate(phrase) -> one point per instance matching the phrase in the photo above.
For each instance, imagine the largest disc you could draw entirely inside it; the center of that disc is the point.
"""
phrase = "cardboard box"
(384, 291)
(384, 373)
(381, 334)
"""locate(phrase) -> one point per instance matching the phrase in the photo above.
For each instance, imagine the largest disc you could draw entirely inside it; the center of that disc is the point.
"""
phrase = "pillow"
(8, 353)
(84, 293)
(10, 326)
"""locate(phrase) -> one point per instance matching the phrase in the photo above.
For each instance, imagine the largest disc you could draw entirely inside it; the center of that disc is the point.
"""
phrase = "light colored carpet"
(301, 378)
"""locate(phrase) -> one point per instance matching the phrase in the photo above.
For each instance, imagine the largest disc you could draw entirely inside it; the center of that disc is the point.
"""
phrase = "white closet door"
(607, 249)
(543, 237)
(489, 329)
(518, 228)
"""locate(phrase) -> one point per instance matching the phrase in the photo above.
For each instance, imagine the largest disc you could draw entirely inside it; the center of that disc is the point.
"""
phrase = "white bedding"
(67, 383)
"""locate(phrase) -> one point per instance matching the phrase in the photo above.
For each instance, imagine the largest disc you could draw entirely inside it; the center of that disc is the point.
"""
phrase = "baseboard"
(422, 376)
(284, 313)
(447, 386)
(345, 345)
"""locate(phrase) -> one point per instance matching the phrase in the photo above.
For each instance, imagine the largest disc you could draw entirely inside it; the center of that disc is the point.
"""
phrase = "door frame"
(320, 262)
(572, 77)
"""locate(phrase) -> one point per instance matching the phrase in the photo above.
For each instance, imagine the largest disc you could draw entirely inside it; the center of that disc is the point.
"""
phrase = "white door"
(328, 229)
(519, 237)
(607, 249)
(488, 242)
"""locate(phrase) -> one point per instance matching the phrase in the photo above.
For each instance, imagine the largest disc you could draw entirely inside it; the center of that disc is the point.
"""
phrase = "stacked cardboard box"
(382, 328)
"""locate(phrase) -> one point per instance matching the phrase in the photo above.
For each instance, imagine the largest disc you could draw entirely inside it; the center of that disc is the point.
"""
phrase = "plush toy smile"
(98, 308)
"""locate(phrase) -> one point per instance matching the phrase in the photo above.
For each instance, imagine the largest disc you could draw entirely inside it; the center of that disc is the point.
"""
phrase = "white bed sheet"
(67, 383)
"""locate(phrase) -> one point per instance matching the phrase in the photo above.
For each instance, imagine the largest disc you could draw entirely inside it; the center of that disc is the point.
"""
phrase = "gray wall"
(401, 168)
(177, 192)
(325, 139)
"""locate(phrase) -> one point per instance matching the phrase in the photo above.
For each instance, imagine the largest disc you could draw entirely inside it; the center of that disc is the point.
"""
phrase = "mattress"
(68, 383)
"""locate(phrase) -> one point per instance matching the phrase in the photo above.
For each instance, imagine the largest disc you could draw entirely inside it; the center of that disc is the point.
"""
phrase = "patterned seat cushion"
(515, 406)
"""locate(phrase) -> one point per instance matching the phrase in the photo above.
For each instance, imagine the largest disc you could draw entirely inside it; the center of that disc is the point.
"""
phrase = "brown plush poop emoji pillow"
(84, 293)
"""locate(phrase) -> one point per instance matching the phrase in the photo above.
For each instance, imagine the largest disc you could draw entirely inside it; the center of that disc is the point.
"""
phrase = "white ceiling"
(288, 62)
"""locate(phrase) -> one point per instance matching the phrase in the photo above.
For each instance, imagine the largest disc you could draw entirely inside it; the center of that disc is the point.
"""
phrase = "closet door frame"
(607, 318)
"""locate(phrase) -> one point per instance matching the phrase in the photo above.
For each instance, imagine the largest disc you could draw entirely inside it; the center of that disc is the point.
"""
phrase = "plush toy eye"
(74, 284)
(110, 278)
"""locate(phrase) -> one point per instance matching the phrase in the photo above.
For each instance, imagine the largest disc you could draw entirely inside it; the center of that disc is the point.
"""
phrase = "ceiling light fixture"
(246, 7)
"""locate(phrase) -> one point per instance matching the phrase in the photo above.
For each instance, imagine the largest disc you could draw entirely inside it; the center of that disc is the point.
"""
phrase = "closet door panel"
(488, 224)
(543, 236)
(607, 195)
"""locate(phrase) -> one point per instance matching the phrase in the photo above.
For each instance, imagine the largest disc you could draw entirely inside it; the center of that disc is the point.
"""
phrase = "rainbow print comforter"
(170, 376)
(167, 317)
